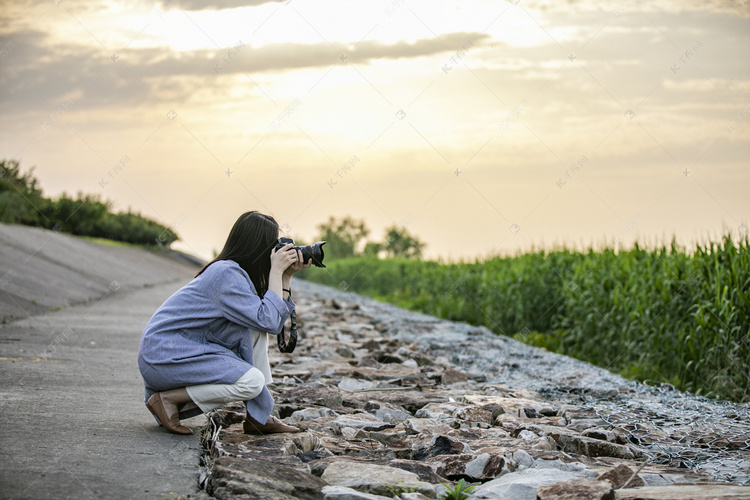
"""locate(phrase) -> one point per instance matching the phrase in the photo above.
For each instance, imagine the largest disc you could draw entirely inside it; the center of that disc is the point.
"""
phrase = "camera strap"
(281, 340)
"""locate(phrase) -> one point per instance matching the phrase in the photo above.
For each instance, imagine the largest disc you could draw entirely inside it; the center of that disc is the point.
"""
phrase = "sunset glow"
(482, 127)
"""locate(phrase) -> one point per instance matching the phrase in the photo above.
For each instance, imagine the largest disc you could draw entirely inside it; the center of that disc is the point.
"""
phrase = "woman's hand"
(284, 263)
(297, 265)
(282, 259)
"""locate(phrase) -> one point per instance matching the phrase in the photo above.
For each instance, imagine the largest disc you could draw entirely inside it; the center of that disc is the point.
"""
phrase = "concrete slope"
(72, 419)
(42, 269)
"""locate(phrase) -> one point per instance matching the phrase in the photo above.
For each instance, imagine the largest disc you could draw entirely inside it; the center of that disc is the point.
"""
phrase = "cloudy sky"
(480, 126)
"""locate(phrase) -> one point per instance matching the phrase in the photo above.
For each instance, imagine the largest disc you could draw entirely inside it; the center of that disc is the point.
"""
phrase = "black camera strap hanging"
(280, 338)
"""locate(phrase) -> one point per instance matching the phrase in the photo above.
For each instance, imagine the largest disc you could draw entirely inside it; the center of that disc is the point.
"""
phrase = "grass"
(115, 243)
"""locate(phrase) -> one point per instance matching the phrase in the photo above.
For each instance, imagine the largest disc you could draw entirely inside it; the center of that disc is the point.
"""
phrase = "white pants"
(211, 396)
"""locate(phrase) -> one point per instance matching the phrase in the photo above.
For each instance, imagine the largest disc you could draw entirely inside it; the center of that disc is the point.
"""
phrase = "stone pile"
(389, 407)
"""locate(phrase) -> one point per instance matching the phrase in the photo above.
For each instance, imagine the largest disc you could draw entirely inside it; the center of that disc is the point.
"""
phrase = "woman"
(207, 344)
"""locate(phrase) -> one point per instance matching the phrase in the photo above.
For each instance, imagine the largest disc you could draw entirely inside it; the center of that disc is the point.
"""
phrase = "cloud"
(618, 7)
(45, 73)
(213, 4)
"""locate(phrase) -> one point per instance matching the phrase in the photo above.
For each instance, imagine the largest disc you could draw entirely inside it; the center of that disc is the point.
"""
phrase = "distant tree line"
(347, 237)
(22, 202)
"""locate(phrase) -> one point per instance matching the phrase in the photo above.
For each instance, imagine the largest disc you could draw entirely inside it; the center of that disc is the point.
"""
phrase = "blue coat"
(202, 334)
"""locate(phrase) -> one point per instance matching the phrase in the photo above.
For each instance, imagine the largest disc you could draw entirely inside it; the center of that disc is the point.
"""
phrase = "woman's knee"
(251, 383)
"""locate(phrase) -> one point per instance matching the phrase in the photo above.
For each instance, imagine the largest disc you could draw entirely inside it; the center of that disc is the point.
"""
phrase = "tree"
(343, 236)
(399, 243)
(373, 248)
(21, 199)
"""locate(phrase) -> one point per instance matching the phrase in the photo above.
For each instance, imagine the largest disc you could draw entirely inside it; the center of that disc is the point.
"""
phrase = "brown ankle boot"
(274, 425)
(156, 406)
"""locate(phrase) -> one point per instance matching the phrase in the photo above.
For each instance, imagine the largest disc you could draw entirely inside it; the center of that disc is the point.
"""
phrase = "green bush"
(22, 202)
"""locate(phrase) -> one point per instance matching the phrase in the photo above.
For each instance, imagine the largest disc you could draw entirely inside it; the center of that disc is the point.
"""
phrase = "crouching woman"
(207, 345)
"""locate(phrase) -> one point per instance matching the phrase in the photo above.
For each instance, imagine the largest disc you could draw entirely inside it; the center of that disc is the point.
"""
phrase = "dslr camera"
(309, 252)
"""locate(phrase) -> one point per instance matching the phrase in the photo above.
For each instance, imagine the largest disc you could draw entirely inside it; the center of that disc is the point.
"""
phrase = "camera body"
(309, 252)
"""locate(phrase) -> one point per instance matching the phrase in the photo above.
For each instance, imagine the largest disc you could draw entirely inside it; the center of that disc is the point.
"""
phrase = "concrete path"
(72, 419)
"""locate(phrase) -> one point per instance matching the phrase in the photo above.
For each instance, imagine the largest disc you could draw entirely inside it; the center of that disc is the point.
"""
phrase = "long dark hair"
(249, 244)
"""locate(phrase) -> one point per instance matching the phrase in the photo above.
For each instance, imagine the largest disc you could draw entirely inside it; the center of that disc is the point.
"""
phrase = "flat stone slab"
(374, 479)
(712, 491)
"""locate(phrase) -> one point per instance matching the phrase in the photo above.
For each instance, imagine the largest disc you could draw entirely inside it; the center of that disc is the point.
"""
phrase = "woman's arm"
(286, 278)
(281, 261)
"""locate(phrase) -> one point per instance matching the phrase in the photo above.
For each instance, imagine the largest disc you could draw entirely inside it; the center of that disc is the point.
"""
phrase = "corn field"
(660, 316)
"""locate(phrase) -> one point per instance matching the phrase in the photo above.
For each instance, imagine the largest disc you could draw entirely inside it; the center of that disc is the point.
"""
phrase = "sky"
(481, 127)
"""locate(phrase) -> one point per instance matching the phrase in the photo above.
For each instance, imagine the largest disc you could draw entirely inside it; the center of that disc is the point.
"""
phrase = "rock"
(424, 470)
(495, 410)
(517, 404)
(310, 414)
(343, 493)
(363, 421)
(387, 357)
(382, 410)
(662, 478)
(472, 468)
(601, 434)
(375, 479)
(345, 352)
(307, 447)
(522, 459)
(352, 433)
(570, 441)
(423, 359)
(326, 353)
(456, 413)
(452, 376)
(521, 484)
(595, 447)
(368, 362)
(426, 426)
(387, 435)
(620, 475)
(410, 400)
(372, 345)
(575, 467)
(543, 443)
(237, 478)
(279, 448)
(531, 413)
(577, 489)
(351, 384)
(473, 414)
(311, 396)
(527, 435)
(712, 491)
(440, 445)
(413, 496)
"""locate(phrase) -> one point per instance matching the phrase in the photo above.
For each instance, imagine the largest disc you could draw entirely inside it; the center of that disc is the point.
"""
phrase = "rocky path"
(395, 404)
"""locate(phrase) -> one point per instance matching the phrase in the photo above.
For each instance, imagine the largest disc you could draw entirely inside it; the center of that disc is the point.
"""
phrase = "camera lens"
(314, 253)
